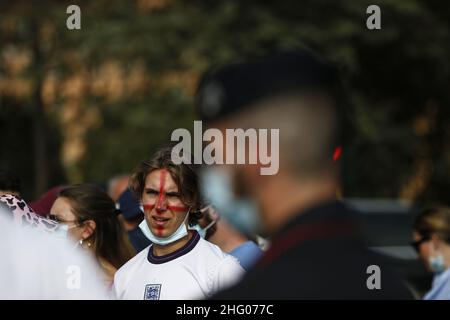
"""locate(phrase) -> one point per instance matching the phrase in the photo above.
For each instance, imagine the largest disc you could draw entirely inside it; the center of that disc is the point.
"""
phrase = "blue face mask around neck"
(177, 235)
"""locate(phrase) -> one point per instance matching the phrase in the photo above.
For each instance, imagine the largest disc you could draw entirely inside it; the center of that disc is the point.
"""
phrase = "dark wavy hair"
(184, 175)
(89, 202)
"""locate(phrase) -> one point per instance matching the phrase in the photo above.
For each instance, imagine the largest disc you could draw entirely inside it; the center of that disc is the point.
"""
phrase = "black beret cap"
(234, 87)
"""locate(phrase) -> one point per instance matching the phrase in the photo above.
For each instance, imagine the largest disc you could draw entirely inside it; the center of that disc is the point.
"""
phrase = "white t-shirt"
(196, 271)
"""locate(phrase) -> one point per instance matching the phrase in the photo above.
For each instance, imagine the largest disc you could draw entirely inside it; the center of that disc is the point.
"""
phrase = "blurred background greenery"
(84, 105)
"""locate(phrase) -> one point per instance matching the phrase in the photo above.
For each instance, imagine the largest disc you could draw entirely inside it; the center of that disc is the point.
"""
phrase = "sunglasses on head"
(416, 244)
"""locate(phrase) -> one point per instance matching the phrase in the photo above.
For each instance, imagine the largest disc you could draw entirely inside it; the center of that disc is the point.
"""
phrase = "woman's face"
(164, 210)
(423, 247)
(62, 212)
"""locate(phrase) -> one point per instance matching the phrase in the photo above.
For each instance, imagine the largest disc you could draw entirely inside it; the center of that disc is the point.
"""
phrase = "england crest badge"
(152, 291)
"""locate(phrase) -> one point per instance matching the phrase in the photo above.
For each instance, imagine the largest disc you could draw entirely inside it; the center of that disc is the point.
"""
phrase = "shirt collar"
(176, 254)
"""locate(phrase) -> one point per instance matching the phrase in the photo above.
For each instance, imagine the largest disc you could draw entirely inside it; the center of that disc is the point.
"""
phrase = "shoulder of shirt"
(216, 255)
(213, 251)
(216, 262)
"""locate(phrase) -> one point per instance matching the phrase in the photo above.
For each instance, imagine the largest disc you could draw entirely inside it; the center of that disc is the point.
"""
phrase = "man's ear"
(88, 228)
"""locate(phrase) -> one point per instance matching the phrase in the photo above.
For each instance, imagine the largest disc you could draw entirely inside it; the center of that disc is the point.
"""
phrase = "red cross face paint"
(164, 210)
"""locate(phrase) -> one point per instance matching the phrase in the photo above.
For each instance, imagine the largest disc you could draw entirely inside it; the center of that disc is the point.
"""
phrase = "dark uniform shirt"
(318, 255)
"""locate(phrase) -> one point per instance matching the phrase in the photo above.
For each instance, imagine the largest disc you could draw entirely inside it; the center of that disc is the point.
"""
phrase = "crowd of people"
(156, 234)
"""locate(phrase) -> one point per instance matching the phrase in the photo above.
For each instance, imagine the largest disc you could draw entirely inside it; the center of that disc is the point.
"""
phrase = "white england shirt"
(196, 271)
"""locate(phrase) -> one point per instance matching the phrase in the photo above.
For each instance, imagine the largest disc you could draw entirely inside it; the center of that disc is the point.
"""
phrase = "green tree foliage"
(398, 80)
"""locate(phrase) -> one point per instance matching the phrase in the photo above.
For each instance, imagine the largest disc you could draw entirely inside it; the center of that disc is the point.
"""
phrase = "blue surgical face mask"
(62, 230)
(242, 213)
(177, 235)
(436, 263)
(202, 231)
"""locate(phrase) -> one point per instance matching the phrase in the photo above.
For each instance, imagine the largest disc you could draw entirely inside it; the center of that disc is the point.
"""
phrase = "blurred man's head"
(9, 183)
(296, 93)
(431, 237)
(117, 185)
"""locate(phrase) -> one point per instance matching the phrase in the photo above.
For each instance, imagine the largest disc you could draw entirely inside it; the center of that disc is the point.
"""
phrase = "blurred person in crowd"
(43, 205)
(9, 183)
(179, 264)
(87, 215)
(218, 231)
(117, 185)
(431, 239)
(316, 250)
(24, 216)
(131, 216)
(41, 268)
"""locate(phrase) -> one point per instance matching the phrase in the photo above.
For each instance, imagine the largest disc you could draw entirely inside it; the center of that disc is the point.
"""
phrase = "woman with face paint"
(88, 216)
(179, 264)
(431, 239)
